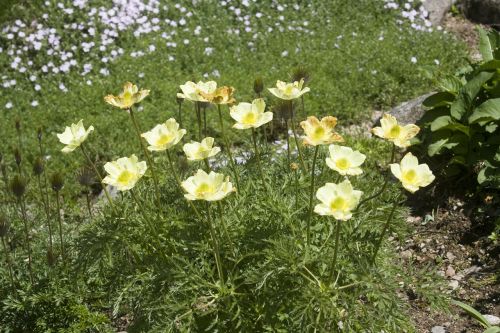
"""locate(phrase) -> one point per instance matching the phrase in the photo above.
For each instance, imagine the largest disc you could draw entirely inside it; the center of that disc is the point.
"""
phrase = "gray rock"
(437, 10)
(438, 329)
(493, 320)
(409, 112)
(482, 11)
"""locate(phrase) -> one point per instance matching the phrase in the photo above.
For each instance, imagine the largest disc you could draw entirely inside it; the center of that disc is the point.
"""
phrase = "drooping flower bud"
(17, 156)
(38, 166)
(85, 177)
(18, 186)
(258, 86)
(57, 181)
(39, 134)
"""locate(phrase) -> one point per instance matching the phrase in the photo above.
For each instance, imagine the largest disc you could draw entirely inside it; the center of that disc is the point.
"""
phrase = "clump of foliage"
(462, 124)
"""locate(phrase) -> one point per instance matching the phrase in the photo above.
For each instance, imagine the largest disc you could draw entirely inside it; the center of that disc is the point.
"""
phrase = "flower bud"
(85, 177)
(39, 134)
(38, 166)
(18, 125)
(178, 99)
(18, 186)
(258, 85)
(4, 225)
(300, 73)
(57, 181)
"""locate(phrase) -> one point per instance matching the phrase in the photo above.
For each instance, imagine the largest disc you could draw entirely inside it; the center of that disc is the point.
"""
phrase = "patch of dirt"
(465, 30)
(451, 234)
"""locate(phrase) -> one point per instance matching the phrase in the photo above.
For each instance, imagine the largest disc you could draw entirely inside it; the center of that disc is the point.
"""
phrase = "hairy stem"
(215, 245)
(386, 227)
(59, 221)
(336, 250)
(9, 264)
(228, 148)
(294, 130)
(257, 156)
(311, 197)
(27, 237)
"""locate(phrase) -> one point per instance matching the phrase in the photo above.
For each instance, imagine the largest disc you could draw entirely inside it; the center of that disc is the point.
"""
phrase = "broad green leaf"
(493, 329)
(436, 147)
(491, 127)
(440, 122)
(489, 110)
(485, 46)
(468, 93)
(451, 84)
(438, 99)
(491, 65)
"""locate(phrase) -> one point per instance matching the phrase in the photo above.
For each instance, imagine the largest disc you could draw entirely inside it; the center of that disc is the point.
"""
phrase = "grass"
(152, 264)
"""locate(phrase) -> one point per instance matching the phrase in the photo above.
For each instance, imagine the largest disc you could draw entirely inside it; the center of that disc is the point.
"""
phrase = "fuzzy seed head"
(85, 177)
(57, 181)
(18, 186)
(38, 166)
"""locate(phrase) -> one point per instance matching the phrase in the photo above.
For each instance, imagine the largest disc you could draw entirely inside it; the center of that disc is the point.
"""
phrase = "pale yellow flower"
(392, 131)
(128, 97)
(222, 95)
(124, 172)
(250, 115)
(320, 132)
(345, 161)
(411, 174)
(164, 136)
(337, 200)
(196, 151)
(288, 91)
(196, 91)
(73, 136)
(209, 187)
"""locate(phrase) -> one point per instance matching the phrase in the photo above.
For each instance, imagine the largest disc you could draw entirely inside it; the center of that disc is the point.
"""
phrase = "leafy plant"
(463, 120)
(479, 317)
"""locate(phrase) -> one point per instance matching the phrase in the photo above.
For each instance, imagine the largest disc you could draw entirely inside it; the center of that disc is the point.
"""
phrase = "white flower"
(345, 161)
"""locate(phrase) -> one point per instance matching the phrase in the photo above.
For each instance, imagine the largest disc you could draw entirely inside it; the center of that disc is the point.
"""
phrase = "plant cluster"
(462, 124)
(210, 254)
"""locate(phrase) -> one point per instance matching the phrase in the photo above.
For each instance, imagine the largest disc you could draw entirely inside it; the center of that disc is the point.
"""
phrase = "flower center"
(410, 176)
(395, 131)
(125, 177)
(249, 118)
(203, 188)
(319, 132)
(164, 139)
(342, 163)
(127, 97)
(338, 204)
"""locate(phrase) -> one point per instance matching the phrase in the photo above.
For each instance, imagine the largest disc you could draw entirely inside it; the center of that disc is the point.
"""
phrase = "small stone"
(453, 284)
(450, 271)
(450, 256)
(438, 329)
(407, 254)
(493, 320)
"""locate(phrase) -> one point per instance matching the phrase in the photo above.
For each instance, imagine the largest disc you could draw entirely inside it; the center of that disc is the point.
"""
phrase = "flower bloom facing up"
(320, 132)
(222, 95)
(196, 92)
(288, 91)
(196, 151)
(411, 174)
(248, 115)
(73, 136)
(124, 172)
(128, 97)
(345, 161)
(337, 200)
(209, 187)
(164, 136)
(392, 131)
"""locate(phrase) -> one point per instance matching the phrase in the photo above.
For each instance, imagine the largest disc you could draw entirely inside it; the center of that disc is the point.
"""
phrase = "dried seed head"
(18, 186)
(38, 166)
(299, 73)
(294, 166)
(178, 99)
(57, 181)
(258, 85)
(85, 177)
(39, 134)
(4, 225)
(17, 156)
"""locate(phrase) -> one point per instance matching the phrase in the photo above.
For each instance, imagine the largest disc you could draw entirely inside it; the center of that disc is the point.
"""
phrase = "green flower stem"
(179, 114)
(257, 155)
(9, 264)
(146, 153)
(289, 157)
(204, 121)
(294, 130)
(198, 118)
(384, 185)
(207, 165)
(27, 236)
(152, 226)
(89, 207)
(47, 213)
(106, 193)
(228, 148)
(215, 245)
(59, 221)
(296, 178)
(386, 227)
(311, 197)
(336, 250)
(224, 226)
